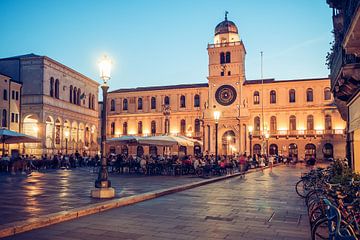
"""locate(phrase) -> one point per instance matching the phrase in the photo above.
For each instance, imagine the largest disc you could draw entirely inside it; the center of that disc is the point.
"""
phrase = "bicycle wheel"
(320, 230)
(318, 212)
(300, 188)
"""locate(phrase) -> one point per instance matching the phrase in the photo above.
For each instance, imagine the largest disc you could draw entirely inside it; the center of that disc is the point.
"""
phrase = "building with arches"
(298, 114)
(58, 105)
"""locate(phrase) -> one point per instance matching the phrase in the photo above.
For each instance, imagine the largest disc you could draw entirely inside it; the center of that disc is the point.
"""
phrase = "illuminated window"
(273, 124)
(328, 124)
(182, 126)
(257, 123)
(140, 127)
(292, 123)
(112, 130)
(310, 122)
(153, 128)
(197, 126)
(125, 128)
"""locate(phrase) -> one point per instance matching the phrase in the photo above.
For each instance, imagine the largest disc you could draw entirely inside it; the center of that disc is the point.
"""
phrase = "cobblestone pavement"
(23, 196)
(261, 206)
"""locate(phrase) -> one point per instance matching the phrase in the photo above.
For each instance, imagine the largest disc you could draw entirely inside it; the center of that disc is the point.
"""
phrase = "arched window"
(57, 88)
(4, 118)
(257, 123)
(327, 94)
(182, 127)
(51, 87)
(328, 124)
(257, 149)
(140, 104)
(5, 96)
(222, 58)
(228, 57)
(273, 124)
(273, 149)
(182, 101)
(153, 103)
(292, 96)
(70, 93)
(90, 100)
(309, 95)
(167, 126)
(74, 95)
(112, 105)
(256, 97)
(197, 100)
(153, 127)
(140, 127)
(112, 128)
(125, 104)
(78, 102)
(310, 150)
(167, 100)
(310, 122)
(292, 123)
(197, 127)
(272, 96)
(125, 128)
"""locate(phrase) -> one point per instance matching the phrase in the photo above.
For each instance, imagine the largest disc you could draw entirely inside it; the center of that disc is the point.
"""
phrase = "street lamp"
(216, 118)
(66, 133)
(250, 128)
(267, 135)
(102, 183)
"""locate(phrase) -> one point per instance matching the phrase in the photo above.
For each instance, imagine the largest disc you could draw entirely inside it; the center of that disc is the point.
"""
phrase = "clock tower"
(226, 77)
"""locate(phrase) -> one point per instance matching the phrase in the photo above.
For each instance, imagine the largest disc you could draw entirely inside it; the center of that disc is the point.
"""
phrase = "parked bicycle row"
(332, 196)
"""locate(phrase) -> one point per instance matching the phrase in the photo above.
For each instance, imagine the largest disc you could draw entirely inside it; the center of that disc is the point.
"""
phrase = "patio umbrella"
(124, 139)
(195, 141)
(8, 136)
(165, 141)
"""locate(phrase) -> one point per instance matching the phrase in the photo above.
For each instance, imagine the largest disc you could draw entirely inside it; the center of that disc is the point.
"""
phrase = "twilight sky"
(158, 42)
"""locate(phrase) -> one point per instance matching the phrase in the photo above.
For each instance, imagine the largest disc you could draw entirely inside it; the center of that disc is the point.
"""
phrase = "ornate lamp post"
(250, 128)
(216, 118)
(267, 135)
(102, 184)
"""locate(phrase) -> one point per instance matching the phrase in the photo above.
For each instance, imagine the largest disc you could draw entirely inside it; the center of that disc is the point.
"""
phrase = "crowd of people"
(202, 165)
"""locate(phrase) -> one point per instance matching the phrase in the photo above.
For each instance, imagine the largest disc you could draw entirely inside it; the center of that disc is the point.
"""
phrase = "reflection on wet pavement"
(40, 193)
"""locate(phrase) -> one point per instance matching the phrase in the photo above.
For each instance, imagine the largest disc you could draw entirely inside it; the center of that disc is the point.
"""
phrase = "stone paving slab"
(185, 215)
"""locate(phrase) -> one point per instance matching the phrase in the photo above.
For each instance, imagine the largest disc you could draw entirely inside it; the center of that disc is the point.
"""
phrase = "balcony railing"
(300, 132)
(225, 44)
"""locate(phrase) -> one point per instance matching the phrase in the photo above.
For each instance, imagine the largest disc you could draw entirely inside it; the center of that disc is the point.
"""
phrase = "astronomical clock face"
(225, 95)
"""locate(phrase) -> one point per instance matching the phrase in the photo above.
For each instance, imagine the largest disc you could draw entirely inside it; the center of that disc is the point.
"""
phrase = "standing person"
(262, 163)
(271, 162)
(242, 162)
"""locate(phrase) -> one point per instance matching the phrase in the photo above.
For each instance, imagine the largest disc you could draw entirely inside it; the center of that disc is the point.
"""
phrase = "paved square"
(261, 206)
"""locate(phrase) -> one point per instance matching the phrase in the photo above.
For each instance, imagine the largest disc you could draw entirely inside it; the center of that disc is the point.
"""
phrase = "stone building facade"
(59, 105)
(344, 63)
(10, 99)
(298, 115)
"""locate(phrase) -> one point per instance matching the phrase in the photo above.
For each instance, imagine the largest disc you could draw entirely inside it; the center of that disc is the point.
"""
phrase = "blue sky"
(164, 41)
